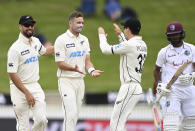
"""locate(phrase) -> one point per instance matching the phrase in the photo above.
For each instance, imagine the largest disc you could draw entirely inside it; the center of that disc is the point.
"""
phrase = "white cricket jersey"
(132, 56)
(72, 50)
(23, 58)
(171, 58)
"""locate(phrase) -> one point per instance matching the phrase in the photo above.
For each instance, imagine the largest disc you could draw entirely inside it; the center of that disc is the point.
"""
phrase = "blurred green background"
(52, 20)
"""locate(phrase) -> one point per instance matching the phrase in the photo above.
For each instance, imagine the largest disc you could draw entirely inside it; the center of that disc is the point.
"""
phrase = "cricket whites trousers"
(72, 94)
(22, 109)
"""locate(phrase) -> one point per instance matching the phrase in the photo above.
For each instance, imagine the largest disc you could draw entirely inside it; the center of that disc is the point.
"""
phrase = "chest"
(177, 58)
(75, 48)
(29, 54)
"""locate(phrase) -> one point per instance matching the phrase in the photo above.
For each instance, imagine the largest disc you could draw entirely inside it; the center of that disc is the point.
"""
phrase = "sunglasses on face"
(28, 25)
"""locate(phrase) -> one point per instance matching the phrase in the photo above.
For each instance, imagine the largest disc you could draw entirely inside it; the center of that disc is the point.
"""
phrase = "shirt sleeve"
(88, 46)
(41, 48)
(160, 58)
(12, 61)
(59, 50)
(193, 53)
(121, 37)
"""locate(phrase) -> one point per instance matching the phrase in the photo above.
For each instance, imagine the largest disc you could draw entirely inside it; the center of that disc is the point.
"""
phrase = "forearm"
(104, 46)
(64, 66)
(18, 83)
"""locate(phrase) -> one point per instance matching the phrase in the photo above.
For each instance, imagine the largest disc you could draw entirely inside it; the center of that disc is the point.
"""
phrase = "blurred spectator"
(42, 38)
(128, 12)
(112, 9)
(88, 7)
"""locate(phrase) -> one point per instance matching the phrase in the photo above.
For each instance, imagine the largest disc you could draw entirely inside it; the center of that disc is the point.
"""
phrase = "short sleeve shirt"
(23, 58)
(72, 50)
(170, 60)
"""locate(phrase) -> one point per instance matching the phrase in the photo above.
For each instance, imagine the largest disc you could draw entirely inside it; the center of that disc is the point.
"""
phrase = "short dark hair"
(75, 15)
(133, 24)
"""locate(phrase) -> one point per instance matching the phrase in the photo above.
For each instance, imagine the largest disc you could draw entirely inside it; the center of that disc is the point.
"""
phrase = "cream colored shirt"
(23, 58)
(132, 52)
(72, 50)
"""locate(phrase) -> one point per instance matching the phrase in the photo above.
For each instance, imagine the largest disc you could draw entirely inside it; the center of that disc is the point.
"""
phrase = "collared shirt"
(132, 56)
(72, 50)
(171, 58)
(23, 58)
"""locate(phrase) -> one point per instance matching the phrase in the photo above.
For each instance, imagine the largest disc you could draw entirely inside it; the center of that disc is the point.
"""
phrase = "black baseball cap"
(133, 24)
(26, 19)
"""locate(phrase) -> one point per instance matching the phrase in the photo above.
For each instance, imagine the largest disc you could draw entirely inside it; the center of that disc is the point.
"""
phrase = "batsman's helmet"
(175, 28)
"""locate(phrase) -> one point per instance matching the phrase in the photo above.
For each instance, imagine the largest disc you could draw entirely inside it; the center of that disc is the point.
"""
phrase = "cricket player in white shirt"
(181, 97)
(72, 54)
(23, 68)
(133, 53)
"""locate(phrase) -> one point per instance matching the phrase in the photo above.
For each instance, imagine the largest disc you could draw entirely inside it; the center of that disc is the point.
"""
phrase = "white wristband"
(91, 69)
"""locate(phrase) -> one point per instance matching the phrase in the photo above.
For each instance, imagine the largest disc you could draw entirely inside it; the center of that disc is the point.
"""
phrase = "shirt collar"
(183, 46)
(24, 39)
(71, 35)
(136, 38)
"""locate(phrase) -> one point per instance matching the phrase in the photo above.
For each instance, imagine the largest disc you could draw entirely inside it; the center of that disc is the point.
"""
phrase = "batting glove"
(187, 78)
(161, 89)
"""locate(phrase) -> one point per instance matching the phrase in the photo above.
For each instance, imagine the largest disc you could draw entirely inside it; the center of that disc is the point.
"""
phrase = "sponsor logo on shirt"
(57, 54)
(171, 55)
(10, 64)
(70, 45)
(25, 52)
(117, 46)
(77, 54)
(31, 60)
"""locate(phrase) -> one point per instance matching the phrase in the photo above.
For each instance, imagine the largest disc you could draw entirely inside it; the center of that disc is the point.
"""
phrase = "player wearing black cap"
(23, 68)
(133, 52)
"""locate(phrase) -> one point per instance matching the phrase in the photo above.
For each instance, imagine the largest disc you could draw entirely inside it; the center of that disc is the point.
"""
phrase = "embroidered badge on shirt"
(187, 52)
(10, 64)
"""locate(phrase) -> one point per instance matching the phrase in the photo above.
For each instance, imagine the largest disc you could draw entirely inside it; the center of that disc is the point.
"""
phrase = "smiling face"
(76, 25)
(27, 29)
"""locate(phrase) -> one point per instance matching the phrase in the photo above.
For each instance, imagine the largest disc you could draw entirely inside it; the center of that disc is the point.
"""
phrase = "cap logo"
(172, 27)
(27, 17)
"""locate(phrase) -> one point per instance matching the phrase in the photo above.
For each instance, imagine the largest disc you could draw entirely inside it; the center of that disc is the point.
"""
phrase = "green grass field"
(52, 20)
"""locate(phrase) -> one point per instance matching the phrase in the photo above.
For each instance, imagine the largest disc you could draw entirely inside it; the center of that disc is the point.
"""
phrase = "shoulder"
(16, 46)
(165, 49)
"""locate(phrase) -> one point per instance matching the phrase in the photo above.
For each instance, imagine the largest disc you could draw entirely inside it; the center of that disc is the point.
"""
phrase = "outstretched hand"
(117, 29)
(96, 73)
(76, 68)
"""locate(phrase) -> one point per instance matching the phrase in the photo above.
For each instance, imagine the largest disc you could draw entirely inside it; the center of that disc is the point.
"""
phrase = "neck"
(178, 45)
(74, 33)
(131, 36)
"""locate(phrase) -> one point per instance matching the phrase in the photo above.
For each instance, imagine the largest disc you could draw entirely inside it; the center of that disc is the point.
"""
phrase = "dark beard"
(28, 35)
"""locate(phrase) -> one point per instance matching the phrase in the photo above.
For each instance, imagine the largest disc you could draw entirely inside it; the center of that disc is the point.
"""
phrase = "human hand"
(96, 73)
(76, 68)
(30, 99)
(186, 78)
(117, 29)
(101, 30)
(161, 89)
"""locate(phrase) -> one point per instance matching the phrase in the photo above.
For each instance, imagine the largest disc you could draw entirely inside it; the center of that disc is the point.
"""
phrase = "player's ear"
(20, 27)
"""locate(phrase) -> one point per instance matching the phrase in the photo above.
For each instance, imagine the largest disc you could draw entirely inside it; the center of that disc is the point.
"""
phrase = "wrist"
(91, 69)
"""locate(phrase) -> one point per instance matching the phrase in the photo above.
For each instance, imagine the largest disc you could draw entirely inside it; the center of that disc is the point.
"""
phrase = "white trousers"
(128, 96)
(21, 108)
(72, 94)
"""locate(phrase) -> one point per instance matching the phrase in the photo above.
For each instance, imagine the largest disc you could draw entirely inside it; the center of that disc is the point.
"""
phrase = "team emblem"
(187, 52)
(172, 27)
(35, 47)
(167, 103)
(82, 42)
(57, 54)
